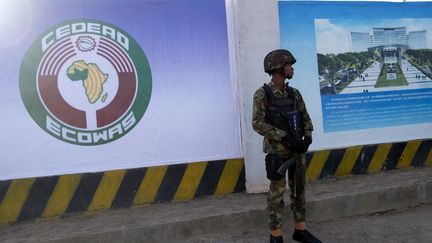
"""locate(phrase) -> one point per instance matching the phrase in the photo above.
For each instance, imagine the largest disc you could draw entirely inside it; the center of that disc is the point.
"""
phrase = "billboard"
(374, 73)
(365, 69)
(101, 85)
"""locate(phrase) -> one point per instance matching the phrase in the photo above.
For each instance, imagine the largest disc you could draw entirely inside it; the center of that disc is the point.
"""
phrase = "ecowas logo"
(85, 82)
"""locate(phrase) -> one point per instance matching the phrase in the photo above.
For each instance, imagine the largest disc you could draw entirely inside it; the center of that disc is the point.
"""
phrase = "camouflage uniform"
(273, 145)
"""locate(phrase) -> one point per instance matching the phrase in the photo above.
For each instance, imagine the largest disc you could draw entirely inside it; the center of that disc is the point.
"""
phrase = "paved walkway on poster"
(367, 80)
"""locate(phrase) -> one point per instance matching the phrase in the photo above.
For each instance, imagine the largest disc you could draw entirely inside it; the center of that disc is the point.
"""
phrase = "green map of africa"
(92, 77)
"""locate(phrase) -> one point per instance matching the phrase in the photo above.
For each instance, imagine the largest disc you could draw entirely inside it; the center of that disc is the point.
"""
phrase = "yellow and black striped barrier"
(47, 197)
(368, 159)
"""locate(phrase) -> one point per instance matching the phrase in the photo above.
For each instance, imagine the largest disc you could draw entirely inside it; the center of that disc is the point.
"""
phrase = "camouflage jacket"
(272, 135)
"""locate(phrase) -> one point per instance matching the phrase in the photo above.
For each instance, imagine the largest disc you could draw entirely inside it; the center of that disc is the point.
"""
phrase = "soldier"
(280, 115)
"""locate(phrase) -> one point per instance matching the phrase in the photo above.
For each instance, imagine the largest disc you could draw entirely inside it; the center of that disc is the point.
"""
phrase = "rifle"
(298, 176)
(282, 169)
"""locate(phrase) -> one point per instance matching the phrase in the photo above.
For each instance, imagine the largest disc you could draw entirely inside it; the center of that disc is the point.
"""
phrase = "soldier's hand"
(307, 140)
(303, 144)
(291, 143)
(288, 141)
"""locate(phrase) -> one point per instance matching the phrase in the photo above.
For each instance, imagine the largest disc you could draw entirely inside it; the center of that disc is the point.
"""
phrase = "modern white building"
(389, 36)
(361, 41)
(417, 39)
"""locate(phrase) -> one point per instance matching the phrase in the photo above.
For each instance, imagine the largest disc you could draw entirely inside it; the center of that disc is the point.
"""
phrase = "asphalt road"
(410, 225)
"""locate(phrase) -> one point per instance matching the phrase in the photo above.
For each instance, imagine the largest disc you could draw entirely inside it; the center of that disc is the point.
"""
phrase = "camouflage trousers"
(275, 201)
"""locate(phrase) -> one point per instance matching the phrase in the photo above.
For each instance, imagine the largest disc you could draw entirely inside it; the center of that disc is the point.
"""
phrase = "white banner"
(113, 85)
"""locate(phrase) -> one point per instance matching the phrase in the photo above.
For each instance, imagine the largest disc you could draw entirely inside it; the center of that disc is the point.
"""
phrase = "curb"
(326, 199)
(378, 200)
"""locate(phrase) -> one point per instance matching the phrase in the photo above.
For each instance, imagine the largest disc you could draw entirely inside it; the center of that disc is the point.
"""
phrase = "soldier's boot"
(276, 239)
(304, 236)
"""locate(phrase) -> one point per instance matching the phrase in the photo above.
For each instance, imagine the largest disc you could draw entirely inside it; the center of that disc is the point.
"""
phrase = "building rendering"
(398, 36)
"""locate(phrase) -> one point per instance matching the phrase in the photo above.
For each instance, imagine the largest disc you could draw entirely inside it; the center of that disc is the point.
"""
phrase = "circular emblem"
(85, 43)
(85, 82)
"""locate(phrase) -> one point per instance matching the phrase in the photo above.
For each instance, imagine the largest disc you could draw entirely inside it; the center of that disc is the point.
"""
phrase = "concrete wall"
(256, 25)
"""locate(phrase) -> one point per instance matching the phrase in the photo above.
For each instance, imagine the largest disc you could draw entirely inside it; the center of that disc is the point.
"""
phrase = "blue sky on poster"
(332, 35)
(296, 19)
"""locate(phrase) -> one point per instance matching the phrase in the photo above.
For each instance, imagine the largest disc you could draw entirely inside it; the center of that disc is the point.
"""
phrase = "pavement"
(242, 218)
(367, 80)
(415, 78)
(413, 224)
